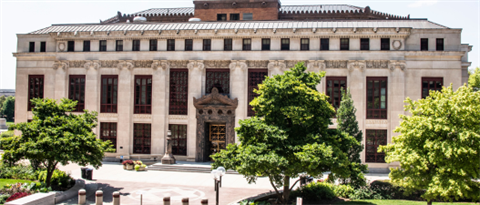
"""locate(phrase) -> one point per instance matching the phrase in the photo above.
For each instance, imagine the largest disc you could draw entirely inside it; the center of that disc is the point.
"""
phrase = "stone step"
(177, 168)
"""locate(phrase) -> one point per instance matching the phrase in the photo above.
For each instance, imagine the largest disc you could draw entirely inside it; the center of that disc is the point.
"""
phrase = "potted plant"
(128, 164)
(140, 167)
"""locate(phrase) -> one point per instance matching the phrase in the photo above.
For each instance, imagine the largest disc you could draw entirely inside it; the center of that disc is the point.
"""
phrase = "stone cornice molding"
(277, 64)
(238, 64)
(216, 99)
(163, 64)
(397, 64)
(195, 64)
(128, 64)
(356, 64)
(316, 65)
(60, 64)
(91, 64)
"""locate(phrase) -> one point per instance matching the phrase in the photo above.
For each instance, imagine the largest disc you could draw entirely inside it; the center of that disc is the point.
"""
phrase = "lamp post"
(168, 156)
(217, 175)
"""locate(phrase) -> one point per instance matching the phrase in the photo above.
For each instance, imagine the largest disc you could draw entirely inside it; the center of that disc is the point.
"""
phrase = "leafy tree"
(56, 136)
(347, 122)
(474, 79)
(289, 135)
(2, 99)
(438, 145)
(8, 108)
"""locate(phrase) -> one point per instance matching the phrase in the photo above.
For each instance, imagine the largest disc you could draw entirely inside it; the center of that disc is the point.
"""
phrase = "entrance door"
(217, 140)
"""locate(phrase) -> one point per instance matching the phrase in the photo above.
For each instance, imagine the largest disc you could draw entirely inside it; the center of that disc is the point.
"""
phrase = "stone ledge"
(35, 199)
(72, 192)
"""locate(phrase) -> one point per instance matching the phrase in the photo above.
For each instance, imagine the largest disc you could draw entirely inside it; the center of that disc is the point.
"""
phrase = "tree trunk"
(429, 202)
(50, 169)
(286, 189)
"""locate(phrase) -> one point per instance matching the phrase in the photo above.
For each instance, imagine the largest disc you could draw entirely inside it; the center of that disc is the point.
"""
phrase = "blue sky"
(23, 16)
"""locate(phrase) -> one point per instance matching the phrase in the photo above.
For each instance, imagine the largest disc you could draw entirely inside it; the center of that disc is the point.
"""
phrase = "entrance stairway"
(182, 166)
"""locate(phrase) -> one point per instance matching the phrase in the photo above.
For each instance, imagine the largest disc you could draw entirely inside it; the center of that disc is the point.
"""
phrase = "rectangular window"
(373, 140)
(255, 77)
(207, 44)
(221, 17)
(234, 17)
(178, 139)
(189, 44)
(153, 45)
(324, 44)
(428, 84)
(227, 44)
(108, 131)
(385, 44)
(304, 44)
(143, 94)
(71, 46)
(35, 88)
(109, 94)
(170, 44)
(142, 135)
(102, 45)
(247, 44)
(440, 44)
(424, 44)
(76, 91)
(285, 46)
(31, 47)
(365, 44)
(119, 45)
(265, 44)
(377, 97)
(86, 45)
(247, 16)
(178, 104)
(344, 44)
(43, 46)
(218, 78)
(334, 86)
(136, 45)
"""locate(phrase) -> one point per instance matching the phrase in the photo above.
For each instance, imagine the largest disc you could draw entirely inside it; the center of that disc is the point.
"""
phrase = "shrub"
(314, 192)
(363, 192)
(129, 162)
(16, 188)
(17, 172)
(343, 190)
(3, 198)
(60, 180)
(17, 195)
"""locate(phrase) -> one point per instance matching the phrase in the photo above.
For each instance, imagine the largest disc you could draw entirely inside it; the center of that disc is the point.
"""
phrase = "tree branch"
(276, 190)
(294, 184)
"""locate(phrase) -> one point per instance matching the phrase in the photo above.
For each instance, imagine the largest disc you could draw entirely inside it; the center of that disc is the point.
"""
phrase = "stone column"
(238, 77)
(356, 82)
(125, 106)
(61, 79)
(317, 66)
(92, 81)
(396, 95)
(161, 72)
(276, 67)
(195, 73)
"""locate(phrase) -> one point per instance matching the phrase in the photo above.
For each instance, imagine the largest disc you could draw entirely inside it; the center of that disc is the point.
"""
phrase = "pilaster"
(160, 89)
(238, 76)
(61, 79)
(396, 95)
(356, 82)
(196, 70)
(276, 67)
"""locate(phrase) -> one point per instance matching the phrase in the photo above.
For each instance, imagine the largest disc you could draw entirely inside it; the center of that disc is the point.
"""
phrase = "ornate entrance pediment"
(215, 99)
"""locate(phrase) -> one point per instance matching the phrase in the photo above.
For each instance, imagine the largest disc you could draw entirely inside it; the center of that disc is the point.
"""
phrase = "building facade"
(196, 78)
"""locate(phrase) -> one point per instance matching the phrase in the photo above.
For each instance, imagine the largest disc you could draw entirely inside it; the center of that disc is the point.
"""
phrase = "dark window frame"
(86, 46)
(188, 45)
(119, 45)
(373, 139)
(219, 17)
(304, 46)
(228, 44)
(440, 44)
(377, 113)
(266, 47)
(143, 91)
(424, 44)
(344, 44)
(207, 44)
(170, 44)
(178, 92)
(284, 46)
(178, 139)
(385, 44)
(254, 78)
(135, 45)
(108, 131)
(429, 86)
(36, 86)
(76, 91)
(31, 47)
(142, 138)
(364, 44)
(70, 46)
(330, 83)
(247, 14)
(153, 46)
(43, 46)
(235, 15)
(211, 77)
(111, 94)
(102, 47)
(247, 46)
(324, 44)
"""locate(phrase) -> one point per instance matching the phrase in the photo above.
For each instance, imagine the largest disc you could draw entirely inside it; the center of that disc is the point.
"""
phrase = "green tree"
(8, 108)
(56, 136)
(347, 122)
(474, 79)
(2, 99)
(438, 145)
(289, 134)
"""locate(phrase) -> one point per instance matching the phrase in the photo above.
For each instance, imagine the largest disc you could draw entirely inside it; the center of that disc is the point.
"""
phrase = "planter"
(141, 169)
(130, 166)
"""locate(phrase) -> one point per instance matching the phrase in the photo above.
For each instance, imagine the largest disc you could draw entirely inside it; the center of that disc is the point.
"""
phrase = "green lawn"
(3, 182)
(397, 202)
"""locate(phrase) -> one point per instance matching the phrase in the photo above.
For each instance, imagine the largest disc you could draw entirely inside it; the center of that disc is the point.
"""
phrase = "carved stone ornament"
(214, 99)
(277, 64)
(292, 63)
(163, 64)
(396, 64)
(217, 63)
(196, 64)
(125, 64)
(238, 64)
(316, 65)
(396, 44)
(61, 46)
(142, 63)
(178, 63)
(76, 64)
(257, 64)
(60, 64)
(356, 64)
(92, 64)
(336, 64)
(377, 64)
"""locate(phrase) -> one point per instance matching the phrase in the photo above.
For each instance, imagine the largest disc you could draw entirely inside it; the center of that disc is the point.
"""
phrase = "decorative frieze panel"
(376, 122)
(142, 117)
(108, 64)
(142, 63)
(217, 63)
(292, 63)
(257, 64)
(377, 64)
(108, 115)
(177, 117)
(76, 64)
(178, 63)
(336, 63)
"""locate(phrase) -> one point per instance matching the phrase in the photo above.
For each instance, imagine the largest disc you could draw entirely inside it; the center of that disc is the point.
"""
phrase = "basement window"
(247, 16)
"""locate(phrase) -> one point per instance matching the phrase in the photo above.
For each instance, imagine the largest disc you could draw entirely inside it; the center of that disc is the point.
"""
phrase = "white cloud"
(421, 3)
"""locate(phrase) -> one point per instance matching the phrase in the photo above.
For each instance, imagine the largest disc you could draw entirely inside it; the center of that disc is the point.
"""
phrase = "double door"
(216, 138)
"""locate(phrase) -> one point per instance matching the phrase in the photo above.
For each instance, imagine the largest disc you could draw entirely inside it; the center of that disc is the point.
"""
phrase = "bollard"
(82, 196)
(204, 201)
(116, 198)
(166, 200)
(185, 201)
(99, 197)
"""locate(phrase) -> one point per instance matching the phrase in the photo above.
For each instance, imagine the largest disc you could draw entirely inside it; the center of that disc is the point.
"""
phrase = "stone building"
(156, 70)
